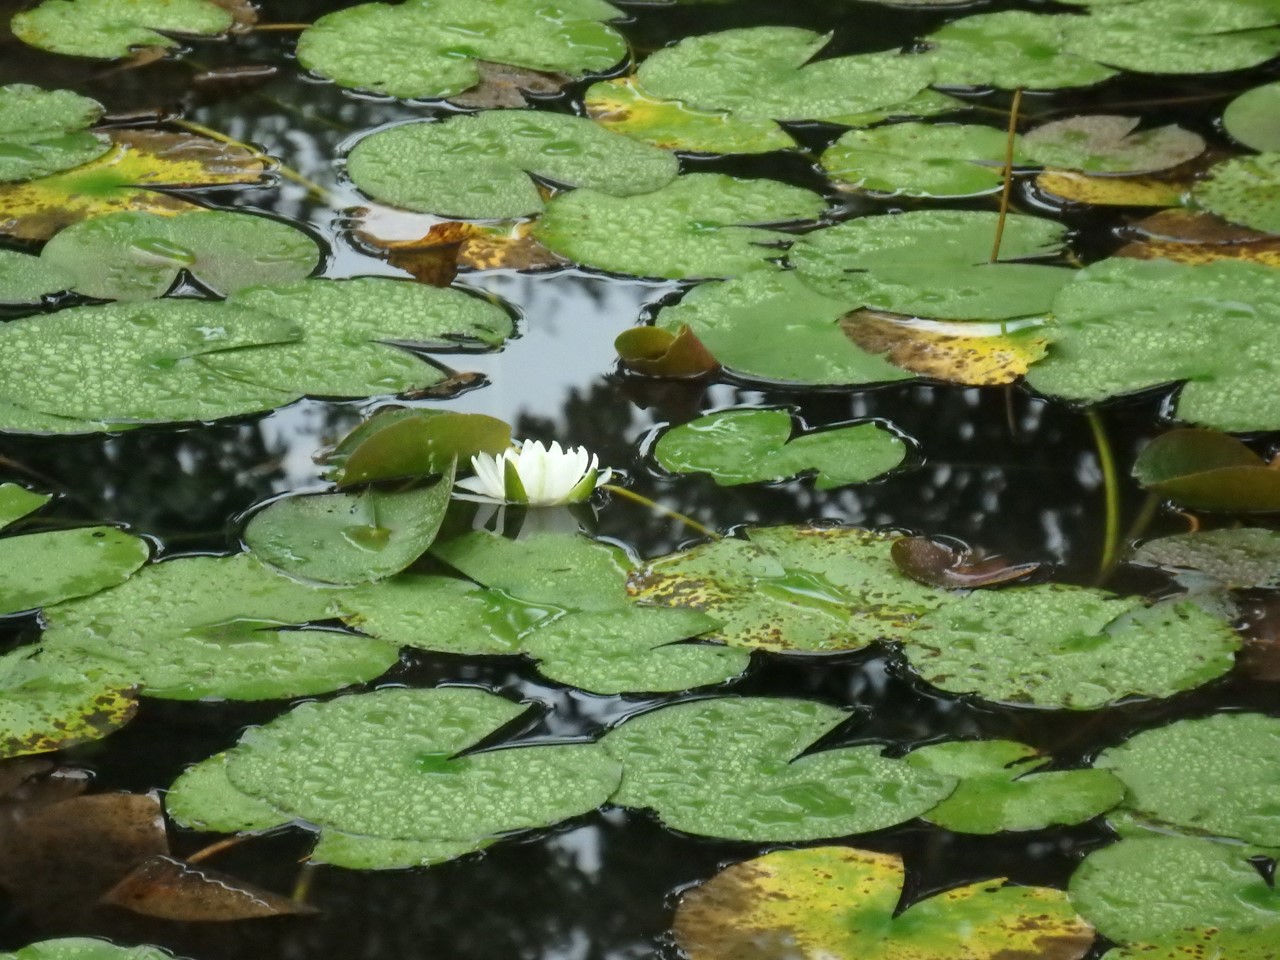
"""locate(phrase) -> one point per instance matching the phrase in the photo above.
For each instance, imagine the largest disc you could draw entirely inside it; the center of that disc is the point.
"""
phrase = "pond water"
(998, 467)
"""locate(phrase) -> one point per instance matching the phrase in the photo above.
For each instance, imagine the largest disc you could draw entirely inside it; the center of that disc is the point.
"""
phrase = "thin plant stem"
(689, 522)
(302, 888)
(213, 849)
(1111, 488)
(278, 27)
(1007, 172)
(1143, 520)
(287, 172)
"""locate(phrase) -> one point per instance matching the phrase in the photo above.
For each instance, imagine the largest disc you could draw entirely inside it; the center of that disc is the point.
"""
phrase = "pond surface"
(998, 467)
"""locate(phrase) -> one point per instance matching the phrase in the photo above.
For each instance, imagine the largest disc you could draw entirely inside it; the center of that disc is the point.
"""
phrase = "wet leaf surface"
(944, 565)
(1207, 470)
(1244, 190)
(1105, 143)
(109, 30)
(658, 352)
(919, 160)
(41, 569)
(1238, 559)
(1010, 49)
(44, 131)
(85, 948)
(47, 706)
(173, 890)
(1253, 118)
(17, 502)
(28, 279)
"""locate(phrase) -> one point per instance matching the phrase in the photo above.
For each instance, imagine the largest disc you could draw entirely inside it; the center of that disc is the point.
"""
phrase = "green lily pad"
(412, 442)
(1207, 470)
(426, 49)
(842, 902)
(1215, 775)
(623, 107)
(1239, 559)
(1126, 325)
(769, 73)
(1253, 118)
(1068, 647)
(28, 279)
(108, 28)
(733, 768)
(46, 706)
(794, 589)
(768, 324)
(1162, 891)
(478, 166)
(85, 948)
(17, 502)
(220, 627)
(349, 537)
(755, 446)
(1010, 49)
(138, 255)
(415, 786)
(1002, 788)
(41, 569)
(632, 650)
(1104, 143)
(135, 362)
(920, 159)
(202, 798)
(43, 132)
(701, 225)
(1244, 190)
(934, 264)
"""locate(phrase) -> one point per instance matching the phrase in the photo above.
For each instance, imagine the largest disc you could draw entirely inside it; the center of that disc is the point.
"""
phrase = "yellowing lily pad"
(1108, 191)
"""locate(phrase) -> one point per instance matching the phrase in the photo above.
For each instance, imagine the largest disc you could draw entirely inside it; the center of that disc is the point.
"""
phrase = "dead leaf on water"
(1189, 236)
(940, 564)
(504, 86)
(244, 13)
(173, 890)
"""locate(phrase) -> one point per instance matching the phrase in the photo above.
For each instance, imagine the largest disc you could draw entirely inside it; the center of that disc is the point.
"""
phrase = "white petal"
(533, 471)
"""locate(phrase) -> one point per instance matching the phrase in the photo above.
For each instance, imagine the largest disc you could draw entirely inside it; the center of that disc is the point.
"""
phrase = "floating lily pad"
(1072, 187)
(795, 589)
(657, 352)
(768, 324)
(755, 446)
(27, 279)
(138, 255)
(349, 537)
(1207, 470)
(842, 902)
(920, 159)
(1238, 559)
(47, 706)
(733, 768)
(43, 131)
(85, 948)
(17, 502)
(415, 786)
(770, 73)
(1127, 325)
(622, 107)
(413, 442)
(1215, 775)
(202, 798)
(1103, 143)
(108, 29)
(1002, 788)
(1010, 49)
(1253, 118)
(41, 569)
(122, 179)
(934, 264)
(1067, 647)
(701, 225)
(479, 166)
(426, 49)
(1245, 190)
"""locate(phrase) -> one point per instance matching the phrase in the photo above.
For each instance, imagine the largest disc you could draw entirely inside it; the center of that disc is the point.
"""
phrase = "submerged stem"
(1008, 173)
(689, 522)
(1111, 488)
(213, 849)
(287, 172)
(281, 27)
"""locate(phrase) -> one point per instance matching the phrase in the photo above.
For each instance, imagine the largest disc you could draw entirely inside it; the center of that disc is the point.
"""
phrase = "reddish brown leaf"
(943, 565)
(660, 353)
(172, 890)
(502, 85)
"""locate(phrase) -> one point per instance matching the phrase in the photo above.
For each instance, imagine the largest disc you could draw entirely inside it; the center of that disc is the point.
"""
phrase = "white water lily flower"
(536, 475)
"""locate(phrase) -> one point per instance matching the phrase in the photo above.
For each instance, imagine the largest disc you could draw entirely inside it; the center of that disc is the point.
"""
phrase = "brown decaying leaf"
(504, 86)
(1189, 236)
(244, 12)
(434, 250)
(943, 565)
(28, 783)
(1144, 191)
(660, 353)
(172, 890)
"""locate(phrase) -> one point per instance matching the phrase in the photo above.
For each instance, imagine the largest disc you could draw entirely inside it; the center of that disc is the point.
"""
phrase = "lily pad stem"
(689, 522)
(280, 27)
(1007, 172)
(1111, 488)
(287, 172)
(213, 849)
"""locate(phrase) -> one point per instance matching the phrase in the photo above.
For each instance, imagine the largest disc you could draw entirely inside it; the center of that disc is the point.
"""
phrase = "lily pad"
(1207, 470)
(1239, 559)
(41, 569)
(701, 225)
(47, 706)
(934, 264)
(427, 49)
(657, 352)
(1067, 647)
(415, 786)
(1245, 190)
(1063, 187)
(349, 537)
(733, 768)
(43, 131)
(1217, 775)
(17, 502)
(413, 442)
(755, 446)
(770, 73)
(794, 589)
(85, 948)
(1253, 118)
(920, 159)
(842, 902)
(1103, 143)
(1002, 788)
(479, 166)
(28, 279)
(138, 255)
(108, 29)
(1127, 325)
(1010, 49)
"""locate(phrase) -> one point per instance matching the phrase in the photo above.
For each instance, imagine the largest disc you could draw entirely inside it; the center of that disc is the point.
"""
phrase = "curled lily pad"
(1101, 143)
(755, 446)
(733, 768)
(919, 159)
(940, 564)
(1239, 558)
(1245, 190)
(47, 706)
(479, 166)
(658, 352)
(842, 902)
(1215, 775)
(41, 569)
(1207, 470)
(1253, 118)
(1010, 49)
(1074, 648)
(795, 589)
(701, 225)
(44, 131)
(429, 48)
(85, 948)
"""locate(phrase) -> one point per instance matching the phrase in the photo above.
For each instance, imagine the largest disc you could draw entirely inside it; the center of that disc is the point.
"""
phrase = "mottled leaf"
(43, 131)
(1110, 191)
(1105, 143)
(1244, 190)
(1239, 559)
